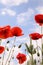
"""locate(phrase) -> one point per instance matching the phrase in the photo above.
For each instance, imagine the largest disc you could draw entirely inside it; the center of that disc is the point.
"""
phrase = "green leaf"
(34, 51)
(31, 47)
(27, 47)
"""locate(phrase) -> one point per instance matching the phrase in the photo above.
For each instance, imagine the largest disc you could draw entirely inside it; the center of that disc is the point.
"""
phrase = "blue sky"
(21, 13)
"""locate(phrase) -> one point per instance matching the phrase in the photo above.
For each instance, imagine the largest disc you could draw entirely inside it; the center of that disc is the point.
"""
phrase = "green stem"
(42, 53)
(37, 46)
(30, 41)
(0, 41)
(3, 55)
(31, 51)
(42, 43)
(10, 52)
(32, 59)
(10, 57)
(28, 62)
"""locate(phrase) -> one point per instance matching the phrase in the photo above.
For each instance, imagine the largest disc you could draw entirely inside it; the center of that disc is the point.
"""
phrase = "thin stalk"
(30, 41)
(3, 55)
(10, 52)
(32, 60)
(0, 41)
(37, 46)
(10, 57)
(31, 51)
(42, 43)
(28, 62)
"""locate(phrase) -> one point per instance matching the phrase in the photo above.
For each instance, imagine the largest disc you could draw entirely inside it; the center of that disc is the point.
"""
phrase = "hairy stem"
(32, 59)
(10, 57)
(10, 52)
(3, 55)
(31, 51)
(42, 43)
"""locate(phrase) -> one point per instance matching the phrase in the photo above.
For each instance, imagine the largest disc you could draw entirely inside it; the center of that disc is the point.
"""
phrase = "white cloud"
(13, 2)
(40, 9)
(3, 13)
(8, 11)
(23, 17)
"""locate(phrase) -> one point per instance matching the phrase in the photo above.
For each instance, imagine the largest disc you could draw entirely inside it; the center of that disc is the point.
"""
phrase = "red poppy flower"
(16, 31)
(5, 32)
(42, 35)
(35, 36)
(39, 19)
(1, 49)
(21, 57)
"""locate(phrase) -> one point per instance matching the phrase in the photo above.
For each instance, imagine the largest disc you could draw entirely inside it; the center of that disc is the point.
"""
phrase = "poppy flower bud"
(19, 46)
(38, 54)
